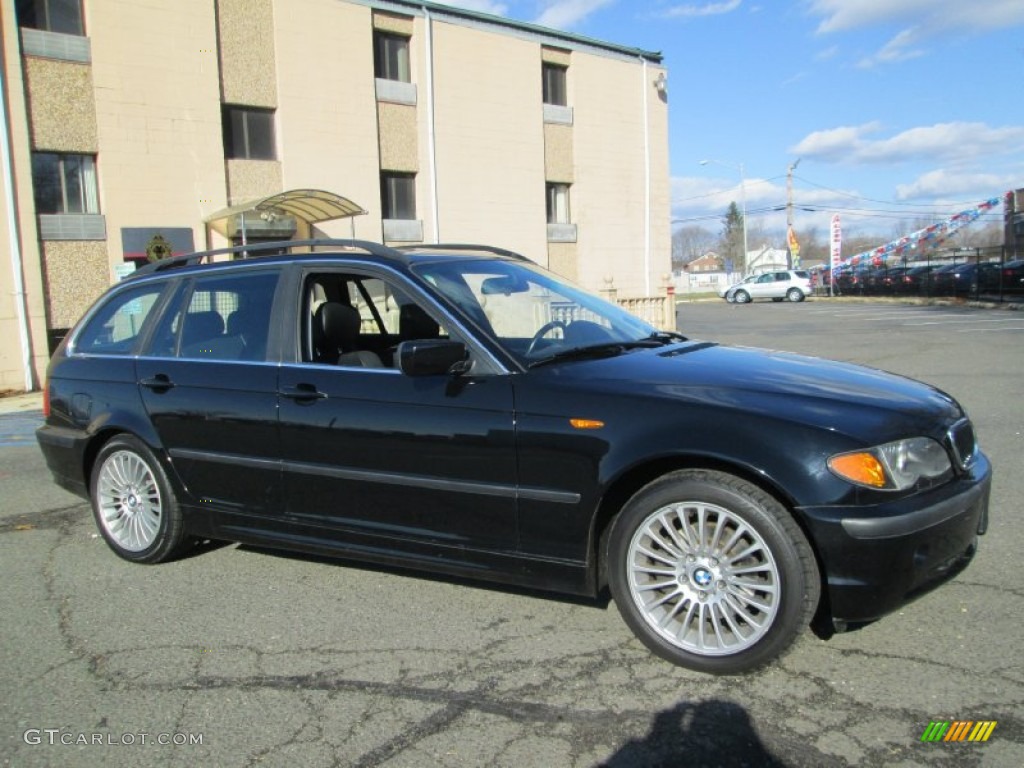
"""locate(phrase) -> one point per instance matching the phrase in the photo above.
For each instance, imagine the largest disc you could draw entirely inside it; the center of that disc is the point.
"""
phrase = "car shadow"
(715, 732)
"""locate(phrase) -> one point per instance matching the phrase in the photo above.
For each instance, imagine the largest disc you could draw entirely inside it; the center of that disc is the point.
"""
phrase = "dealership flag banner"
(836, 241)
(794, 248)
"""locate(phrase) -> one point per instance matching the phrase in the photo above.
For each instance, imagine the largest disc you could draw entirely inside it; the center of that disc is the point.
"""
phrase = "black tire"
(742, 297)
(133, 503)
(795, 295)
(713, 617)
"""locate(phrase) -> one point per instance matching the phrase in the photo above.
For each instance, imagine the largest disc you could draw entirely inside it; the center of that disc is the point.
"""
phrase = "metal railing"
(994, 274)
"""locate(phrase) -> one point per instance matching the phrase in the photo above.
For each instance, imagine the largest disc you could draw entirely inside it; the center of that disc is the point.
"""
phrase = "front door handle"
(302, 392)
(159, 383)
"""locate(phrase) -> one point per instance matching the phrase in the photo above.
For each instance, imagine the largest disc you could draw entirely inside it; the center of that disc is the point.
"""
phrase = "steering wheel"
(540, 334)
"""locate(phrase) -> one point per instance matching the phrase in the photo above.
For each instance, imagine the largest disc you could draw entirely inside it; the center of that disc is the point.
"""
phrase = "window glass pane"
(558, 203)
(46, 183)
(65, 16)
(64, 183)
(554, 78)
(114, 329)
(249, 133)
(228, 318)
(261, 135)
(73, 184)
(31, 13)
(234, 132)
(391, 57)
(398, 195)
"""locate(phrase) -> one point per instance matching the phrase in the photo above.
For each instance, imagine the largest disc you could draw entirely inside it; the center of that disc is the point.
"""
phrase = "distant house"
(766, 259)
(709, 262)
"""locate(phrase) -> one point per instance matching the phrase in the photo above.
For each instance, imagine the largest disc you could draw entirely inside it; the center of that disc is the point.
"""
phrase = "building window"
(391, 57)
(64, 16)
(64, 183)
(558, 203)
(249, 133)
(554, 83)
(398, 195)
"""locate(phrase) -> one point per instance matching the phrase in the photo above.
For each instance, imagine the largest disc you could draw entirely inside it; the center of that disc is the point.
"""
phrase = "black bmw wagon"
(458, 409)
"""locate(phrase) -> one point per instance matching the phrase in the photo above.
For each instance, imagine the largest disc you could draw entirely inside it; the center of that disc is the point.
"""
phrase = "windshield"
(531, 313)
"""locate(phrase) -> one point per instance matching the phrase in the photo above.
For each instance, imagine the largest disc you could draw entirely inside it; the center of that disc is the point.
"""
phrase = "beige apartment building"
(132, 130)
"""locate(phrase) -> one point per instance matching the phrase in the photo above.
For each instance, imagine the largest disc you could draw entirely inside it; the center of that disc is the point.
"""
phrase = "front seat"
(336, 337)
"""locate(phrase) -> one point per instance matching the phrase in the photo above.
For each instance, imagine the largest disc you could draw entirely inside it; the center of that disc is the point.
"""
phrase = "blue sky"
(899, 111)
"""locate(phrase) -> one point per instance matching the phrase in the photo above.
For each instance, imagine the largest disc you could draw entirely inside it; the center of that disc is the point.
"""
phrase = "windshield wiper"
(608, 349)
(667, 337)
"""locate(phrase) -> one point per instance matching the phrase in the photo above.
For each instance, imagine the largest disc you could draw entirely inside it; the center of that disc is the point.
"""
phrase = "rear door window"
(226, 317)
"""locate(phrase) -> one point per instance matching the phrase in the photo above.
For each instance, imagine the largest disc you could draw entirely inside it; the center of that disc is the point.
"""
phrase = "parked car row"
(963, 279)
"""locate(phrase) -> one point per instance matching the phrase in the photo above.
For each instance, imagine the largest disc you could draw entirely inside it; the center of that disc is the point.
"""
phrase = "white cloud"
(698, 11)
(940, 142)
(922, 20)
(955, 185)
(899, 48)
(929, 16)
(835, 144)
(564, 14)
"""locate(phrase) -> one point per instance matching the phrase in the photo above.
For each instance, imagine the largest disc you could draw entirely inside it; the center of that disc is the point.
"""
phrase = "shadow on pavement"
(714, 732)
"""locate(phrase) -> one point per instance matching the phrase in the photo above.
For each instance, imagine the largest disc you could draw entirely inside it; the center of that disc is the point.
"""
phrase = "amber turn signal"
(862, 468)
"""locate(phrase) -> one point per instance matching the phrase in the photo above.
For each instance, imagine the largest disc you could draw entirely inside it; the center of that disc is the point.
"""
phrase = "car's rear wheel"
(711, 572)
(795, 295)
(132, 501)
(742, 297)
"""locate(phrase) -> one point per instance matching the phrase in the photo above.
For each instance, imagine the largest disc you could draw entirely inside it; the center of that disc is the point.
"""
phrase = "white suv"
(791, 284)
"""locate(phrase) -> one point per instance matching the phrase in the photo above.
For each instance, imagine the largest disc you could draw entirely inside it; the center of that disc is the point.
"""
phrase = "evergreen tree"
(732, 238)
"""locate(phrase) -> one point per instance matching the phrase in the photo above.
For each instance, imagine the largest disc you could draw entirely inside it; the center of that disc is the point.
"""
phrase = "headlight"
(895, 466)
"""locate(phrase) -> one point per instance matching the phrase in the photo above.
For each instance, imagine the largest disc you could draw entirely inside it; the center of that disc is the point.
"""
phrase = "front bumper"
(876, 558)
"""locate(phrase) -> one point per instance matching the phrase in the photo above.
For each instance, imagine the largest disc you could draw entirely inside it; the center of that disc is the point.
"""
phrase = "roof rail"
(263, 249)
(462, 247)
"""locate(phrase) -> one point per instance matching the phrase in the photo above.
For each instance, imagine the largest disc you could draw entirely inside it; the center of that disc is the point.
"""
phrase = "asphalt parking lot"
(243, 657)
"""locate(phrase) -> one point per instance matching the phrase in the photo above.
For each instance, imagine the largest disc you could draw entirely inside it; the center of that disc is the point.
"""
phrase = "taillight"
(46, 400)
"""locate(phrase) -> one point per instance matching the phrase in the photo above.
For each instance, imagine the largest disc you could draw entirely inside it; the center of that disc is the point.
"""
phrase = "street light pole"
(743, 201)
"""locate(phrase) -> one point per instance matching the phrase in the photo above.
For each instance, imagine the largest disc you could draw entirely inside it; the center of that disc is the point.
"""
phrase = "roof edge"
(419, 7)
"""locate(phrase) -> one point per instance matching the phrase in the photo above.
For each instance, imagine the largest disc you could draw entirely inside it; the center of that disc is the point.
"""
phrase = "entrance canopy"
(309, 206)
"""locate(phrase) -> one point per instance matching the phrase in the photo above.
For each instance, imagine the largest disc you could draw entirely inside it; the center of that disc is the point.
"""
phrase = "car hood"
(863, 403)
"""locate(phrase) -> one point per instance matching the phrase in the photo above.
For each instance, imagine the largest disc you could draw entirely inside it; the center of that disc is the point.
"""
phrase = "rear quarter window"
(115, 327)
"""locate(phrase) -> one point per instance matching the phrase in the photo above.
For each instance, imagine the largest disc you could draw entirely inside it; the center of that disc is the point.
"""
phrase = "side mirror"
(432, 357)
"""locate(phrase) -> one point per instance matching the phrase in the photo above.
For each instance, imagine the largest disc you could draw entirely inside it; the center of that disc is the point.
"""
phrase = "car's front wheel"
(711, 572)
(795, 295)
(133, 502)
(741, 297)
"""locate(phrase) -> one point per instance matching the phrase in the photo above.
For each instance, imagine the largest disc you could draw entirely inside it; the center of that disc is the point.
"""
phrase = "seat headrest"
(339, 322)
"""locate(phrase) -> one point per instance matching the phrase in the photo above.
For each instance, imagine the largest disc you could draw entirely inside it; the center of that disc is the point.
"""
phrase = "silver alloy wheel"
(742, 297)
(703, 579)
(129, 501)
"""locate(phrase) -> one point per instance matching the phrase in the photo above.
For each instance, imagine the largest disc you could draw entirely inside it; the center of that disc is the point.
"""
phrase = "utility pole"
(791, 257)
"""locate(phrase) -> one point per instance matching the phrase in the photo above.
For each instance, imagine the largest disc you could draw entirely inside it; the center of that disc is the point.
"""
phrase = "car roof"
(270, 253)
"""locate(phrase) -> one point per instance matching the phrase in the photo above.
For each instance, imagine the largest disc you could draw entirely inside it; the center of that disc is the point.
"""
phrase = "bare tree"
(690, 243)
